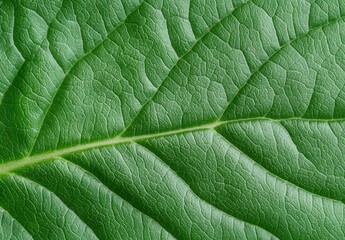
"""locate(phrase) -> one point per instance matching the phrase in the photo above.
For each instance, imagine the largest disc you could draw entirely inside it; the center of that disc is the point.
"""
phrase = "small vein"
(73, 66)
(110, 190)
(197, 196)
(26, 179)
(278, 177)
(15, 219)
(37, 47)
(273, 55)
(288, 133)
(199, 40)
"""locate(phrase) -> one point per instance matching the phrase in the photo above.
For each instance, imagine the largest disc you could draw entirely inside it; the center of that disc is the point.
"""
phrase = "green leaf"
(159, 119)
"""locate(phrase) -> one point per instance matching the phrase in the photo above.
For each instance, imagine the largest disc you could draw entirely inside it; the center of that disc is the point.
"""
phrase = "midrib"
(31, 160)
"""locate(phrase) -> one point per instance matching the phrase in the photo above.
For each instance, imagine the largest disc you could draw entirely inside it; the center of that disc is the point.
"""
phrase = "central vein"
(30, 160)
(13, 165)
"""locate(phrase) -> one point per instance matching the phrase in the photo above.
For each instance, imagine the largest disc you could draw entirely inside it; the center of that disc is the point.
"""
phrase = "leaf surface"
(172, 119)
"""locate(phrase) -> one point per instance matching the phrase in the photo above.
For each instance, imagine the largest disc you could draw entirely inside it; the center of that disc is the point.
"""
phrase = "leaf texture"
(158, 119)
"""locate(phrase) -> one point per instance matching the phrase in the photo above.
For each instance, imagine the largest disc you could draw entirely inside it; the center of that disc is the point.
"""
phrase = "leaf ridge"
(25, 179)
(288, 133)
(113, 192)
(17, 221)
(55, 195)
(333, 200)
(37, 46)
(197, 41)
(273, 55)
(74, 65)
(197, 195)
